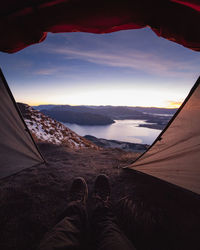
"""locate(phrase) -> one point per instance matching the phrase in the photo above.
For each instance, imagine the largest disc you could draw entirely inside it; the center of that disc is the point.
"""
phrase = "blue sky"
(133, 67)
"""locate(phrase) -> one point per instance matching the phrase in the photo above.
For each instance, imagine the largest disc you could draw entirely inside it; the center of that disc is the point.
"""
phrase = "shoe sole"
(86, 186)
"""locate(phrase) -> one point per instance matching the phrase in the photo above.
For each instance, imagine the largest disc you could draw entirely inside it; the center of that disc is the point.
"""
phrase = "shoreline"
(115, 144)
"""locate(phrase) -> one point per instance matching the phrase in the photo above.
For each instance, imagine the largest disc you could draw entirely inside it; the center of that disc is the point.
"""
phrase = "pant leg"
(107, 233)
(68, 234)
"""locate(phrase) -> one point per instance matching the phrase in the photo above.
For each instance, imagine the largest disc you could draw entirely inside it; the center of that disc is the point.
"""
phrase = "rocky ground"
(154, 215)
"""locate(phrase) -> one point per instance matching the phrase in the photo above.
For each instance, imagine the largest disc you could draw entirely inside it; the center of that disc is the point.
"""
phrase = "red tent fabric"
(25, 22)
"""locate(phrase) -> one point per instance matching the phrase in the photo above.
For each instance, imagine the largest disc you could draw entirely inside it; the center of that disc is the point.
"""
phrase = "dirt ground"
(154, 214)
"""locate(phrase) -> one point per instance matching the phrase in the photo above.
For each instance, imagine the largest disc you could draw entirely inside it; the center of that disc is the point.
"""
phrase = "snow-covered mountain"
(46, 129)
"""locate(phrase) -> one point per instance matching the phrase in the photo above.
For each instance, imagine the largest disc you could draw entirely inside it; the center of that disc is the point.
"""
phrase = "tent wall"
(175, 155)
(17, 148)
(25, 22)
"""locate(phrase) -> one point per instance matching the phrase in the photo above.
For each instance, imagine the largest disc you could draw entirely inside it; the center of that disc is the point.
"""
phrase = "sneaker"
(102, 188)
(79, 190)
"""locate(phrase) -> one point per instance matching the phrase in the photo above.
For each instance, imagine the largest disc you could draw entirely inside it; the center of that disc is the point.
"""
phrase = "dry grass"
(128, 157)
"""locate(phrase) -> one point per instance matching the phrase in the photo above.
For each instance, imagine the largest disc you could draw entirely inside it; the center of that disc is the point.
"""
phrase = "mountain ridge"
(46, 129)
(138, 108)
(77, 117)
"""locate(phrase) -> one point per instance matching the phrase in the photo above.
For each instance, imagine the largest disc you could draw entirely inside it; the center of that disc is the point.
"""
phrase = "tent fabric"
(194, 4)
(24, 23)
(17, 148)
(175, 155)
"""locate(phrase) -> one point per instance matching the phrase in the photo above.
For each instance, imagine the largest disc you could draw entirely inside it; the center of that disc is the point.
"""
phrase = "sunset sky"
(129, 68)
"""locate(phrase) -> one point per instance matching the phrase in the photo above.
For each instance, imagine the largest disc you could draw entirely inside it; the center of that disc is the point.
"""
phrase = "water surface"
(121, 130)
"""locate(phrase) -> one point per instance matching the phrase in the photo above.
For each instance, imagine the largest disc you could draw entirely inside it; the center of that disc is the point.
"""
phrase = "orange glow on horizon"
(170, 104)
(173, 104)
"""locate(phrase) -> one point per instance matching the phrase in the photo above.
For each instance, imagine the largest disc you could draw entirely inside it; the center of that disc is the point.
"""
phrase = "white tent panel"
(17, 148)
(175, 155)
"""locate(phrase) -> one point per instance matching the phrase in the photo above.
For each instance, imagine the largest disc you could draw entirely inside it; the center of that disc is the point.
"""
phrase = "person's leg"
(107, 233)
(69, 233)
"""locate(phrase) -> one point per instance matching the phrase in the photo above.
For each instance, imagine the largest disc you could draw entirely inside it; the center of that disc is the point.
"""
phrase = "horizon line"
(101, 105)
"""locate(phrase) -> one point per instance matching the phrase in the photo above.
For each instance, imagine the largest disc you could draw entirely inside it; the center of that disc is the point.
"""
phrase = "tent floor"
(154, 215)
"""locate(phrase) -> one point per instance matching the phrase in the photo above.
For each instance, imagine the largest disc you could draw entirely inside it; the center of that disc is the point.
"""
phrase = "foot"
(79, 190)
(102, 188)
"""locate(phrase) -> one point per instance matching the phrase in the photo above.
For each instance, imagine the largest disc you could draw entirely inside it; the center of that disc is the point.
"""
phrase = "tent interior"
(166, 18)
(163, 184)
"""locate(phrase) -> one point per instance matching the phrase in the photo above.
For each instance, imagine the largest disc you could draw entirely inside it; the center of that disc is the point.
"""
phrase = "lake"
(121, 130)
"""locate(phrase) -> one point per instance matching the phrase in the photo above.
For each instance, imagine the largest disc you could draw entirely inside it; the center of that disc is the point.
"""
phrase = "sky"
(125, 68)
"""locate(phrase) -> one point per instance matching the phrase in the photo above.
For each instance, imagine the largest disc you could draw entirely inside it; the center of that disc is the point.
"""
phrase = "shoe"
(102, 188)
(79, 190)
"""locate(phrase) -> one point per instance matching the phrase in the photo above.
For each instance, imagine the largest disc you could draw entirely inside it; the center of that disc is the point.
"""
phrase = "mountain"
(110, 111)
(93, 112)
(46, 129)
(105, 115)
(81, 118)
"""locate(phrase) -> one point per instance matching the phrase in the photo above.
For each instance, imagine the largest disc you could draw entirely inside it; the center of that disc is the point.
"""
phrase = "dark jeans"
(71, 232)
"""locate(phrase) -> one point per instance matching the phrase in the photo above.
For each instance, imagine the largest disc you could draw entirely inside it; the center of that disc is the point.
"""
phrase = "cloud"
(53, 70)
(132, 59)
(46, 71)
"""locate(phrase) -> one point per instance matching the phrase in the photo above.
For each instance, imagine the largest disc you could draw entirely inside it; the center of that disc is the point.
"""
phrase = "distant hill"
(46, 129)
(108, 110)
(153, 110)
(81, 118)
(105, 115)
